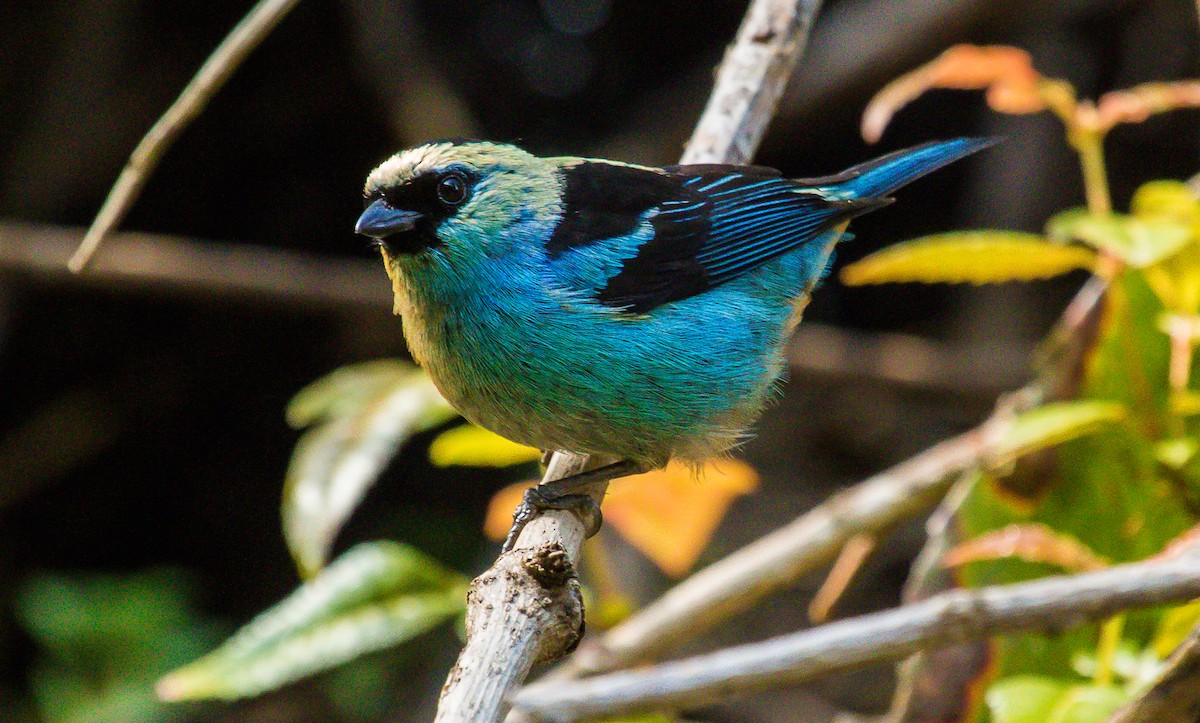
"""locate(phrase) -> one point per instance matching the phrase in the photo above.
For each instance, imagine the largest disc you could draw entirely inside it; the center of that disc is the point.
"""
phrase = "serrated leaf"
(472, 446)
(1139, 242)
(977, 257)
(1024, 698)
(375, 596)
(362, 415)
(1052, 424)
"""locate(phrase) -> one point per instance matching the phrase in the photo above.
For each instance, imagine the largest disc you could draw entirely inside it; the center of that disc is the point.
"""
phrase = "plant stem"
(1090, 145)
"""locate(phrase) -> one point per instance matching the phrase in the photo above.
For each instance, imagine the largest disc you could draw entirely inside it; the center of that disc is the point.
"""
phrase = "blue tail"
(878, 178)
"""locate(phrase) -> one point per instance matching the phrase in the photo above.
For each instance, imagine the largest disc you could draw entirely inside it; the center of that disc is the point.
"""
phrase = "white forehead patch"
(415, 161)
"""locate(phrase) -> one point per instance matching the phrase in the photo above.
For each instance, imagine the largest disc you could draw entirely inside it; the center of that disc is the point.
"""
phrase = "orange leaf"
(1006, 73)
(669, 514)
(1033, 542)
(498, 519)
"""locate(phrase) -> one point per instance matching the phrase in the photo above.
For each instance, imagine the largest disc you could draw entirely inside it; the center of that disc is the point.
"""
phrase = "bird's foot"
(563, 494)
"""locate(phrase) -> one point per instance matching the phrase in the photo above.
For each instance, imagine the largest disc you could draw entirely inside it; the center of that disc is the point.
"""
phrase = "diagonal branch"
(738, 581)
(244, 38)
(508, 626)
(1046, 604)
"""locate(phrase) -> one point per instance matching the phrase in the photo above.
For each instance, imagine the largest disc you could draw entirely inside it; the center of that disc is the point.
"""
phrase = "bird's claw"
(536, 501)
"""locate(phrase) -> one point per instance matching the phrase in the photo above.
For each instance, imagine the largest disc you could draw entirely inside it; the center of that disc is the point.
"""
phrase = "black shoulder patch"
(722, 169)
(721, 222)
(605, 200)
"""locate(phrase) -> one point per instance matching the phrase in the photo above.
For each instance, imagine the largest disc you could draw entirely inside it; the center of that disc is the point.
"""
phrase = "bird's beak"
(380, 220)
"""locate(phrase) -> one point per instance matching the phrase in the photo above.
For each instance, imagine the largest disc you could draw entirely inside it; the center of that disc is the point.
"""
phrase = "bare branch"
(1047, 604)
(183, 266)
(749, 83)
(737, 582)
(244, 38)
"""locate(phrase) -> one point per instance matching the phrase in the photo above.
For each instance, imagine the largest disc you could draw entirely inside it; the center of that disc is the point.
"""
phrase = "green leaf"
(1054, 423)
(1176, 451)
(978, 257)
(102, 639)
(1024, 698)
(1087, 704)
(1166, 198)
(375, 596)
(472, 446)
(1139, 242)
(362, 415)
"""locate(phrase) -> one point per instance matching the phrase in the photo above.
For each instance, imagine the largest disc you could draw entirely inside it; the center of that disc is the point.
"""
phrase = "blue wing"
(719, 224)
(713, 223)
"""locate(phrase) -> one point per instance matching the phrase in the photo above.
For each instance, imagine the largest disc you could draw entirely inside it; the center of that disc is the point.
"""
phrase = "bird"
(606, 308)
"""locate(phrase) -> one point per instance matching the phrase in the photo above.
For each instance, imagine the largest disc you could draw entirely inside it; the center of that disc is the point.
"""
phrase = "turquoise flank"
(542, 363)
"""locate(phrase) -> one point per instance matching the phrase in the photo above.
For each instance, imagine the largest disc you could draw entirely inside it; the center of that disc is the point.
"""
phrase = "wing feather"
(711, 224)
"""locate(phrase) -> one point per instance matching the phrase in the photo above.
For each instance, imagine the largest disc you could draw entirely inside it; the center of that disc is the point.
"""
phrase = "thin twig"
(1051, 603)
(748, 86)
(244, 38)
(846, 567)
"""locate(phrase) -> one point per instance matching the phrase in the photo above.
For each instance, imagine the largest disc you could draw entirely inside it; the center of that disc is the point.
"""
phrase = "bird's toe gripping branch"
(566, 494)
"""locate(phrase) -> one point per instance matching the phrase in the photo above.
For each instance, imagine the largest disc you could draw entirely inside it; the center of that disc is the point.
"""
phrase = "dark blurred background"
(141, 424)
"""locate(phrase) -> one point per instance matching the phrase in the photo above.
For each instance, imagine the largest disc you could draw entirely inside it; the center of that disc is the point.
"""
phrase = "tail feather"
(878, 178)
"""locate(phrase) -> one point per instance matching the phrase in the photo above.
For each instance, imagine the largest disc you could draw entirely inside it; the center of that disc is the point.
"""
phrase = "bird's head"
(456, 201)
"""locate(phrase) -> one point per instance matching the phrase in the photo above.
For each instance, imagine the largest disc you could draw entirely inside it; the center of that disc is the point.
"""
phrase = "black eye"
(452, 188)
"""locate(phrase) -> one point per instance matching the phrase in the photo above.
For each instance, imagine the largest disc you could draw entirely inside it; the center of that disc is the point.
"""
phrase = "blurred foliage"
(1121, 482)
(357, 419)
(381, 594)
(375, 596)
(103, 639)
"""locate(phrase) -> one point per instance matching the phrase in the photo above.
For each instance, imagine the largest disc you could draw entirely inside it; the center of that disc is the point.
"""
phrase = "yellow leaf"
(1053, 424)
(1174, 199)
(978, 257)
(1139, 241)
(1176, 452)
(1185, 403)
(669, 514)
(472, 446)
(1174, 627)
